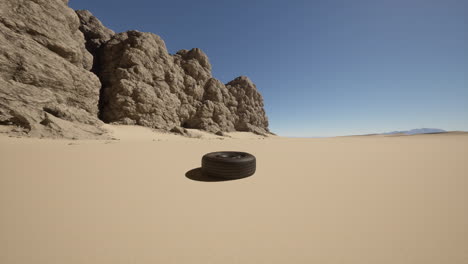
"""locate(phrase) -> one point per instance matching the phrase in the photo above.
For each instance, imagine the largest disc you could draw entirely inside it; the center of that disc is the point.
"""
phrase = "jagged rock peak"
(242, 81)
(196, 54)
(94, 31)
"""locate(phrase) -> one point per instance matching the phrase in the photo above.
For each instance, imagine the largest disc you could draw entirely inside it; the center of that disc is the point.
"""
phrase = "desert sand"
(139, 199)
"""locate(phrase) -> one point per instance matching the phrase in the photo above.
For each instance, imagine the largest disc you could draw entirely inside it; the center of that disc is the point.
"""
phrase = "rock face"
(46, 88)
(144, 85)
(62, 71)
(250, 112)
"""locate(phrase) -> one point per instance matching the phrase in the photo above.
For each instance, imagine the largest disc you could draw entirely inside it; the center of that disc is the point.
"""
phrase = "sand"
(368, 199)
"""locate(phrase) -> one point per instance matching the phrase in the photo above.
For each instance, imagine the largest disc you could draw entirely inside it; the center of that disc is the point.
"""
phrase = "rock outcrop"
(62, 72)
(144, 85)
(250, 113)
(46, 88)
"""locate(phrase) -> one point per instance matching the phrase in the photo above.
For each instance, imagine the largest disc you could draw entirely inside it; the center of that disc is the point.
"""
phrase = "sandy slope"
(330, 200)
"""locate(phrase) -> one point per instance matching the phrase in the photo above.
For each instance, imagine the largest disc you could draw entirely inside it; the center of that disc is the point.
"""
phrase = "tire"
(228, 164)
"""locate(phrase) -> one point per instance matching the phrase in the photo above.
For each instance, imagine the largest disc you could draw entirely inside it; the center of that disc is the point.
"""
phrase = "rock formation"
(144, 85)
(47, 88)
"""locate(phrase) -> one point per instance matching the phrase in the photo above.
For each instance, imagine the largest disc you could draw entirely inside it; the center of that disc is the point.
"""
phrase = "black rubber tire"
(228, 164)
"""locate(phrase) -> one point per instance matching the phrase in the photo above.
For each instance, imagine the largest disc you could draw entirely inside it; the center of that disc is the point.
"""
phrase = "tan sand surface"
(360, 200)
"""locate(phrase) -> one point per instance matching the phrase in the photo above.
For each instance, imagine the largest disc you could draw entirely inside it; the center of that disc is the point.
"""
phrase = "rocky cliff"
(62, 72)
(46, 87)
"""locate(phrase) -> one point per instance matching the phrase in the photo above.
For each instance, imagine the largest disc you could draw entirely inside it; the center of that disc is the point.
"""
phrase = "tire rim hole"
(231, 156)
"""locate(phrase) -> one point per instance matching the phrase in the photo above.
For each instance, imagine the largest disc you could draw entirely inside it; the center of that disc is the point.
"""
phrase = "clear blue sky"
(324, 68)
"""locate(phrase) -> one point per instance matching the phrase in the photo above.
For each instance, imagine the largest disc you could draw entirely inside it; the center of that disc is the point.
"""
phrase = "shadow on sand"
(197, 175)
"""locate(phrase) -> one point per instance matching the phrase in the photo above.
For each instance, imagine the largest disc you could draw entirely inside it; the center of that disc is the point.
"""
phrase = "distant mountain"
(416, 131)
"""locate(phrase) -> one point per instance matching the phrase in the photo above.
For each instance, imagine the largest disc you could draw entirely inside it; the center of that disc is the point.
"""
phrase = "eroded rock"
(144, 85)
(44, 65)
(47, 53)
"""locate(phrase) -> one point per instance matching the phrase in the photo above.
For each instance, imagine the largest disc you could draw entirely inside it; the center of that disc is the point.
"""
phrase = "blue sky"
(324, 68)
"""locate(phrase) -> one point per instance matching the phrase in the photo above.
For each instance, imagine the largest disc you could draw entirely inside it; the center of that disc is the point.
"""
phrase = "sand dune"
(356, 199)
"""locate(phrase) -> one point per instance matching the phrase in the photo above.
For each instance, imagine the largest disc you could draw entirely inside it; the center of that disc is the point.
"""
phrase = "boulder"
(179, 130)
